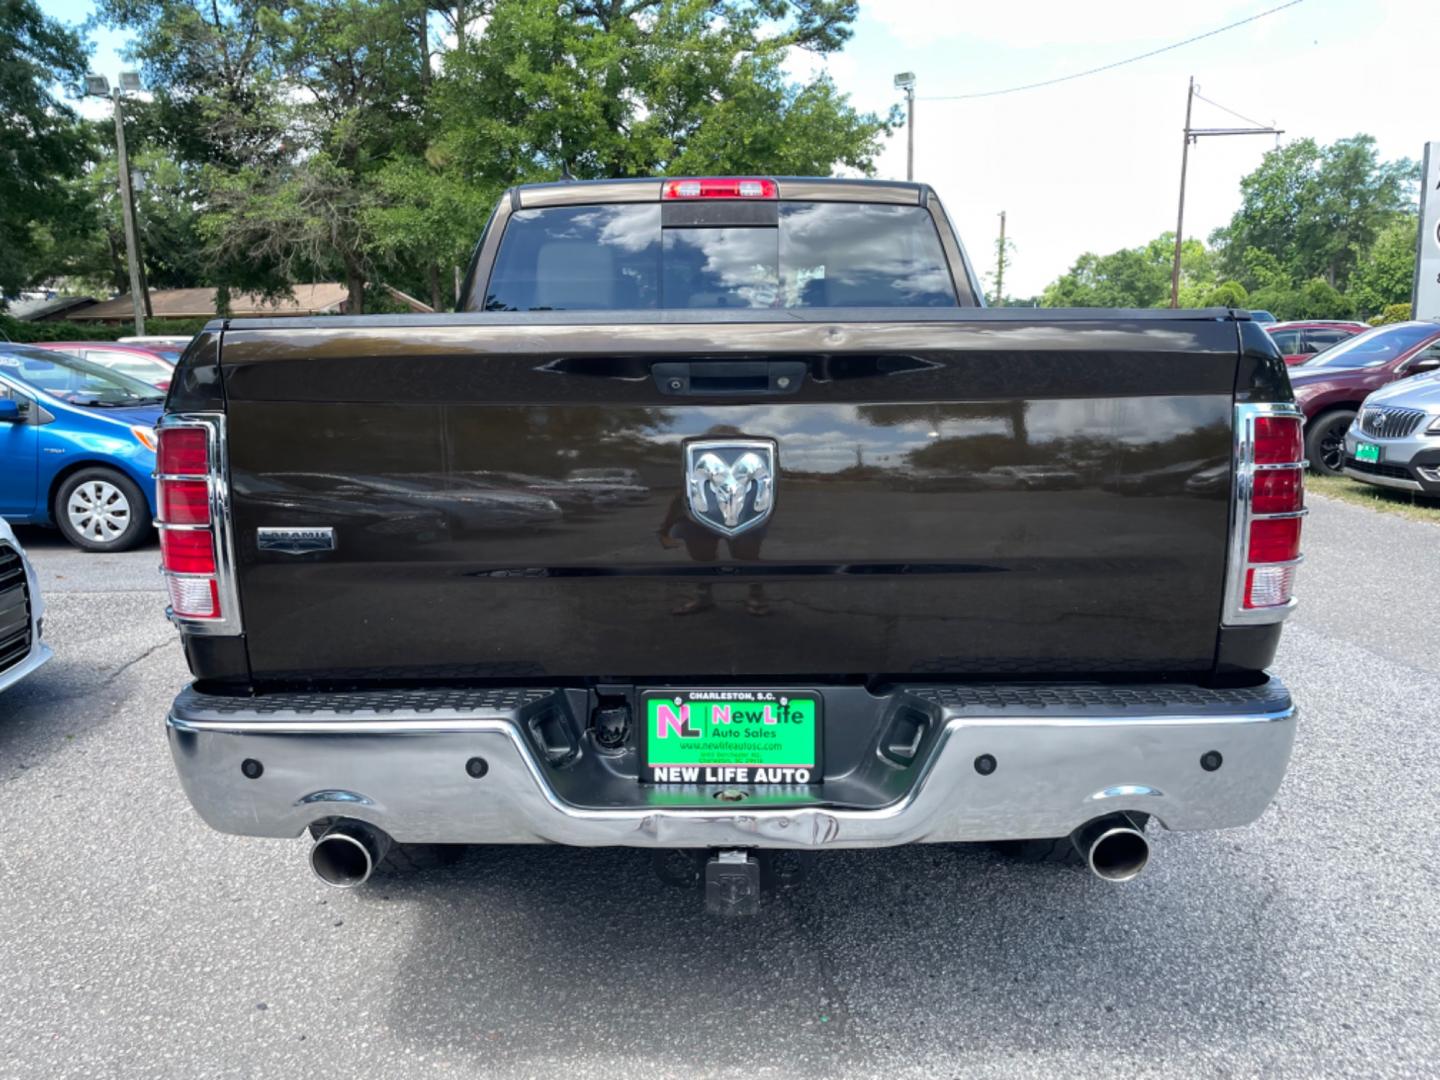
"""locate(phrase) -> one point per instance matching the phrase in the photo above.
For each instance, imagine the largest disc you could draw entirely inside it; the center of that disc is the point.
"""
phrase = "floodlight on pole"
(99, 86)
(905, 80)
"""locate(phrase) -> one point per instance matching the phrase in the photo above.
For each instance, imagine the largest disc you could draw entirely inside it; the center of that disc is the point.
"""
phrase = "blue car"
(77, 448)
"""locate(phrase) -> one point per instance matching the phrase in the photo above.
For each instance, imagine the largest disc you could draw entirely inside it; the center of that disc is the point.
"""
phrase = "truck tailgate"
(1002, 494)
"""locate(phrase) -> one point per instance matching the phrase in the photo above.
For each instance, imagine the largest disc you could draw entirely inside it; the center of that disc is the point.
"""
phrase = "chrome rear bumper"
(1063, 756)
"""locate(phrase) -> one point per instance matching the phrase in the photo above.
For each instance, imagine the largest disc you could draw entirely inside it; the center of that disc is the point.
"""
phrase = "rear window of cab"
(815, 254)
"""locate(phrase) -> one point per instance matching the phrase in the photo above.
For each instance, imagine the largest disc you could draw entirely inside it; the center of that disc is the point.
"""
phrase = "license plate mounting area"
(731, 736)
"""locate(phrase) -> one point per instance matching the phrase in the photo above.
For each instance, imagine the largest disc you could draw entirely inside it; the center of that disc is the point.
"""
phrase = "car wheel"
(101, 510)
(1325, 441)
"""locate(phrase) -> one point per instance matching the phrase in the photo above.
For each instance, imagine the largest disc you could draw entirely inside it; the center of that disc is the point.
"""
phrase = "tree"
(42, 146)
(1134, 277)
(220, 109)
(1004, 256)
(349, 137)
(1316, 299)
(1386, 273)
(617, 88)
(219, 97)
(363, 78)
(1315, 210)
(1229, 294)
(92, 254)
(609, 88)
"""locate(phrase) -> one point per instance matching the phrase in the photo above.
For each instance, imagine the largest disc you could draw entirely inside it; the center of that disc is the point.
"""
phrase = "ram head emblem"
(730, 483)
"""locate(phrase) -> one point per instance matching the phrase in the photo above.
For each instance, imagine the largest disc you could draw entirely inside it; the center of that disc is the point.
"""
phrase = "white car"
(21, 612)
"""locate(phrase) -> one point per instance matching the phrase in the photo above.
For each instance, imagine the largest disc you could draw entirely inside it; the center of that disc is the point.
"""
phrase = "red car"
(1330, 387)
(148, 365)
(1302, 340)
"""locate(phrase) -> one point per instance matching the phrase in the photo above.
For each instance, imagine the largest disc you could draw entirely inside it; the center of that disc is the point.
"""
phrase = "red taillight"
(184, 451)
(187, 531)
(185, 502)
(1270, 510)
(187, 551)
(1274, 539)
(728, 187)
(1277, 440)
(1278, 491)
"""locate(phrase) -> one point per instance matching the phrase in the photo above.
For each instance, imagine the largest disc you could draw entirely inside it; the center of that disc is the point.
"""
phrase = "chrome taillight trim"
(217, 482)
(1235, 612)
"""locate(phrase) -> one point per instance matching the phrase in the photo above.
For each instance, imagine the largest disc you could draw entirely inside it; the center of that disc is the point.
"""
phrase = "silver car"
(1395, 438)
(21, 612)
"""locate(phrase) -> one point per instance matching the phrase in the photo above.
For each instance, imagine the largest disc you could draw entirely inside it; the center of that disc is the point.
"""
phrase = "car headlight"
(1434, 428)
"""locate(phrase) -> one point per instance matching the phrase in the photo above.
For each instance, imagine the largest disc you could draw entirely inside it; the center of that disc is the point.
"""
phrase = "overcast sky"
(1093, 164)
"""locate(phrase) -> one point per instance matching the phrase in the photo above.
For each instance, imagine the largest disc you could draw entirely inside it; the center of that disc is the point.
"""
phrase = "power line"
(1239, 116)
(1116, 64)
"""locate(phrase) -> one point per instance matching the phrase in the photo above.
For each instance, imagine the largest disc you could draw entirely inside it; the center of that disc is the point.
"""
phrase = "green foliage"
(91, 254)
(218, 92)
(1134, 277)
(1322, 232)
(1386, 274)
(1393, 313)
(644, 88)
(19, 331)
(1314, 212)
(1004, 255)
(42, 146)
(1316, 299)
(1229, 294)
(323, 138)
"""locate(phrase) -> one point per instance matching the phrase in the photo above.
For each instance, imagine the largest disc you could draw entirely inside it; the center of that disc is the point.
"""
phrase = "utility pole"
(906, 81)
(127, 205)
(99, 86)
(1180, 214)
(1000, 264)
(1193, 134)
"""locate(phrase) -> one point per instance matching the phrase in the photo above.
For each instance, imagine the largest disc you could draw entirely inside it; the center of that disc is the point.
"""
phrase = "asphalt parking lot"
(136, 942)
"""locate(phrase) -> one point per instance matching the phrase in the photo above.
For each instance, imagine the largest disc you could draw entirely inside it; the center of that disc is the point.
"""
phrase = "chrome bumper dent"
(405, 772)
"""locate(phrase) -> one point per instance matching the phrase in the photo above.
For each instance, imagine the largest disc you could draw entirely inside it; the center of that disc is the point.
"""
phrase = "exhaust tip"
(1119, 854)
(347, 854)
(1114, 847)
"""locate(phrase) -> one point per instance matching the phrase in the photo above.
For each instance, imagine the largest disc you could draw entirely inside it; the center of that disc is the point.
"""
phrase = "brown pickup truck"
(726, 521)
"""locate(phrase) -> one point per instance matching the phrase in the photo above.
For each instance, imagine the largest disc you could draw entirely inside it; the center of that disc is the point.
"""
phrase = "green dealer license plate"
(731, 737)
(1367, 451)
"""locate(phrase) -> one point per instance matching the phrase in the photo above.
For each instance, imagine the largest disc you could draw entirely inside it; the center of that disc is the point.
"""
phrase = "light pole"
(99, 86)
(906, 81)
(1192, 135)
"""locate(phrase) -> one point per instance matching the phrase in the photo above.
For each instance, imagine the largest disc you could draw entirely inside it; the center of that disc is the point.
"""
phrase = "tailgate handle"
(699, 377)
